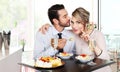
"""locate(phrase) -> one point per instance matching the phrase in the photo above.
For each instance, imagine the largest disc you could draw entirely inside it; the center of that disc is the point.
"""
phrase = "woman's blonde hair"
(82, 15)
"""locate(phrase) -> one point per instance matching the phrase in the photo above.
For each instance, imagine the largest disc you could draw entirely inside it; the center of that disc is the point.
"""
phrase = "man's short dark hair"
(53, 11)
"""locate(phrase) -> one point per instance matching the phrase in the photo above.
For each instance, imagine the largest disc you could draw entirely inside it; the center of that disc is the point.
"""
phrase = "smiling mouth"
(75, 30)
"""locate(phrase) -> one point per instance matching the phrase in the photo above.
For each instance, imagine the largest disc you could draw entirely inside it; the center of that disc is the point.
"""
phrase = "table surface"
(72, 65)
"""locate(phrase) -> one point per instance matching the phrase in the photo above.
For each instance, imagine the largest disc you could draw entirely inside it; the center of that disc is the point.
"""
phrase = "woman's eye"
(72, 22)
(65, 16)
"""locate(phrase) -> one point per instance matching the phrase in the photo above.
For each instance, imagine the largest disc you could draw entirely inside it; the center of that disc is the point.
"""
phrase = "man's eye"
(78, 22)
(65, 16)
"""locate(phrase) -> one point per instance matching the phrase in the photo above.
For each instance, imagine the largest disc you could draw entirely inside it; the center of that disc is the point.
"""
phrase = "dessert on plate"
(48, 62)
(65, 55)
(84, 58)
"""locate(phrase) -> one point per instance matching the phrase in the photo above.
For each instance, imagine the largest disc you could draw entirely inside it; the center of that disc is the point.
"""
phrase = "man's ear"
(55, 21)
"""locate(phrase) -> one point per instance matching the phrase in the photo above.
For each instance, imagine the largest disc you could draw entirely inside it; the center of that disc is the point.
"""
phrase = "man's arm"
(41, 48)
(44, 28)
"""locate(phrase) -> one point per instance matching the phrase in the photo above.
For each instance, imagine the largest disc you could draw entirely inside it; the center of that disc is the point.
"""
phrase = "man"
(59, 19)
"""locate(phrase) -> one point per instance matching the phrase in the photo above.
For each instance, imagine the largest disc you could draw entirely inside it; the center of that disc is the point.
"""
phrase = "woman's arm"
(101, 46)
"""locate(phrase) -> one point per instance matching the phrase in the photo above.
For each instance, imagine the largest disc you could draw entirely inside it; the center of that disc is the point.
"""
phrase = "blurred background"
(20, 19)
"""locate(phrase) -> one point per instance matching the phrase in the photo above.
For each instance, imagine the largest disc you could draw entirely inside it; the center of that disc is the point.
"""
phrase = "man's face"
(64, 19)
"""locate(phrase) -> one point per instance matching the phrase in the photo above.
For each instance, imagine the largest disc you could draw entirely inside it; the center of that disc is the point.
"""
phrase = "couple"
(81, 33)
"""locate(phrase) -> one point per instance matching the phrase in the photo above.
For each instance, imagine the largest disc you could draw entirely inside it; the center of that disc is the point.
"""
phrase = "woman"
(85, 33)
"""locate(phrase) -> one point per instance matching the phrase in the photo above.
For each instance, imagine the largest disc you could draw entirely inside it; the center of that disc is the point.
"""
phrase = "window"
(109, 21)
(16, 16)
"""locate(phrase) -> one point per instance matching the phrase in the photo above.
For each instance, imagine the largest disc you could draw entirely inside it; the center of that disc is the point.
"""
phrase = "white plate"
(48, 62)
(84, 59)
(65, 56)
(49, 67)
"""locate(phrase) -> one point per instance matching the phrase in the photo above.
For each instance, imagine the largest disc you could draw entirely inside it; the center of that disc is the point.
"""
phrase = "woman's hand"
(85, 36)
(98, 51)
(44, 28)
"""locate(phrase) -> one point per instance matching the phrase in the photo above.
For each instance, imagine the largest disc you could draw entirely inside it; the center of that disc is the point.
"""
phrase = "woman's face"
(76, 25)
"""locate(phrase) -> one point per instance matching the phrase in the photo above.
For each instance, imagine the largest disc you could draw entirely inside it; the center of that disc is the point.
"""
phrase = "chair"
(10, 62)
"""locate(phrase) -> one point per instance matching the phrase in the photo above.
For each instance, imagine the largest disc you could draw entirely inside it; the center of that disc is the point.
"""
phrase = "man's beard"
(64, 25)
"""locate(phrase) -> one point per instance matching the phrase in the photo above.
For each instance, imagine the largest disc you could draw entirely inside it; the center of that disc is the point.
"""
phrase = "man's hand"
(61, 43)
(44, 28)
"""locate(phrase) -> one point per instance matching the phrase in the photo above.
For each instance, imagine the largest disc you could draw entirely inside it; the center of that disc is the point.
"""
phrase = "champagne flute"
(92, 45)
(54, 43)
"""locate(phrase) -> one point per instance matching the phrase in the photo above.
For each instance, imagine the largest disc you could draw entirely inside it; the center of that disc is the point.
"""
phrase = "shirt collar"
(55, 32)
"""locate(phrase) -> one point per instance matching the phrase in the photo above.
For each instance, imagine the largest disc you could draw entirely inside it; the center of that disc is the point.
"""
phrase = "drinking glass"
(54, 43)
(92, 45)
